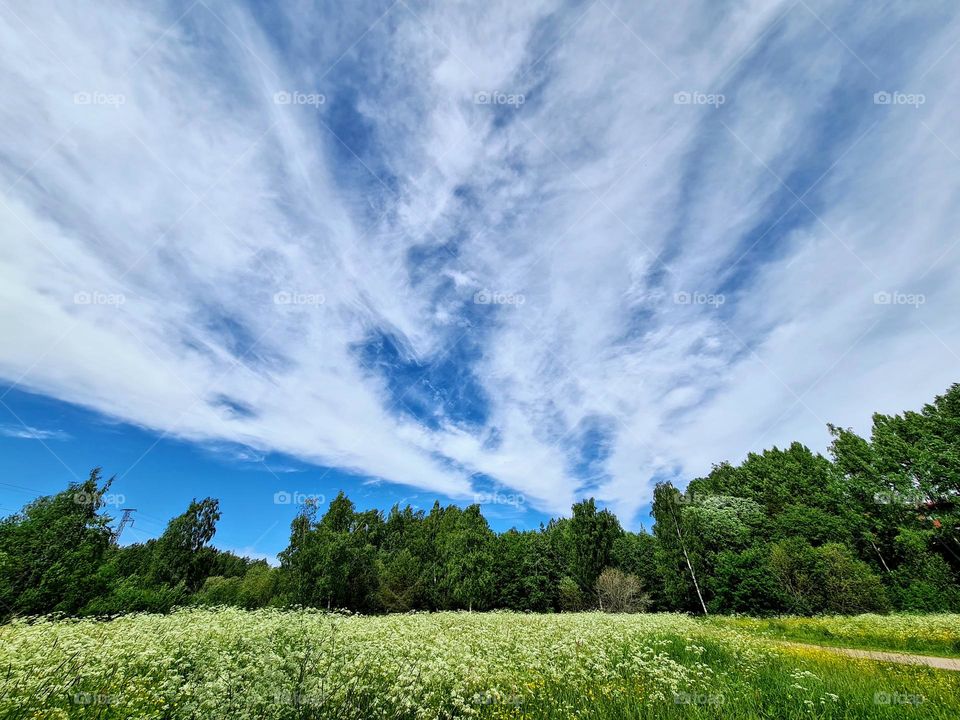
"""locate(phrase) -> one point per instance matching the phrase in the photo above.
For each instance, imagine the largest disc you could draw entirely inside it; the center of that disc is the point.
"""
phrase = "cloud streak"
(695, 231)
(27, 432)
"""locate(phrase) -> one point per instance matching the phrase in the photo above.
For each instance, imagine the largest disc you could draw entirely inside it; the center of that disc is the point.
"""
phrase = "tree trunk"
(877, 551)
(686, 557)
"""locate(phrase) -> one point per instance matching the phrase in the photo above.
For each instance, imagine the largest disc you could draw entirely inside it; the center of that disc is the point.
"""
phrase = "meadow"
(230, 663)
(931, 634)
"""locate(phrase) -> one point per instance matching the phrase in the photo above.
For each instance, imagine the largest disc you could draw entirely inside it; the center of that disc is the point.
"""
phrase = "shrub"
(620, 592)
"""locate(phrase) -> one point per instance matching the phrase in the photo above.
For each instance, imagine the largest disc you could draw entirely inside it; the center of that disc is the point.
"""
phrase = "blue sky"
(516, 252)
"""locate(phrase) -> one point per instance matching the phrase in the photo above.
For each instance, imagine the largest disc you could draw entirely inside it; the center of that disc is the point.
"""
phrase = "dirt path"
(904, 658)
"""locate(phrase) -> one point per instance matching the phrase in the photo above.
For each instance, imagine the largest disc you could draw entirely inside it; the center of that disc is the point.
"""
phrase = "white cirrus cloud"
(698, 280)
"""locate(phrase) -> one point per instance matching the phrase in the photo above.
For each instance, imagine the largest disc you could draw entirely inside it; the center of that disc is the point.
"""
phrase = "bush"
(742, 583)
(825, 579)
(133, 595)
(218, 590)
(619, 592)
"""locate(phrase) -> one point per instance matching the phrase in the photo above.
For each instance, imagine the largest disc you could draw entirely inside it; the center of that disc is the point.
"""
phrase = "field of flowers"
(227, 663)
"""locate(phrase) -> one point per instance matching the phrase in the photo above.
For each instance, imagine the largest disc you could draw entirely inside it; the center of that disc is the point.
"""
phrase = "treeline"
(874, 527)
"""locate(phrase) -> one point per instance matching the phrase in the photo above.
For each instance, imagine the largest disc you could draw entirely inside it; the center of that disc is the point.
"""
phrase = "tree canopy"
(873, 526)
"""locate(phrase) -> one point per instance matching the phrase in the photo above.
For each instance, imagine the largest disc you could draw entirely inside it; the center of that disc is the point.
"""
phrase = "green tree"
(592, 536)
(465, 551)
(181, 554)
(677, 566)
(401, 585)
(51, 552)
(635, 554)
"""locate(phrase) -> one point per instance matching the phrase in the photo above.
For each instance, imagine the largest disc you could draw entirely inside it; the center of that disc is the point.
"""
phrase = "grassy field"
(921, 634)
(229, 663)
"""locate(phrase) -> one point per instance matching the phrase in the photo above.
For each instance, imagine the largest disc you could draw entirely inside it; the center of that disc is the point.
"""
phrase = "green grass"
(937, 635)
(227, 663)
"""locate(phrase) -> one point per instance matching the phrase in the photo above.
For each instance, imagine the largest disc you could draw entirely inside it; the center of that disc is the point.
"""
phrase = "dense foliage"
(872, 528)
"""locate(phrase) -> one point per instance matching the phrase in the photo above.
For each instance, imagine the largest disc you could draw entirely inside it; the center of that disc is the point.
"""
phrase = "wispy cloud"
(557, 248)
(26, 432)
